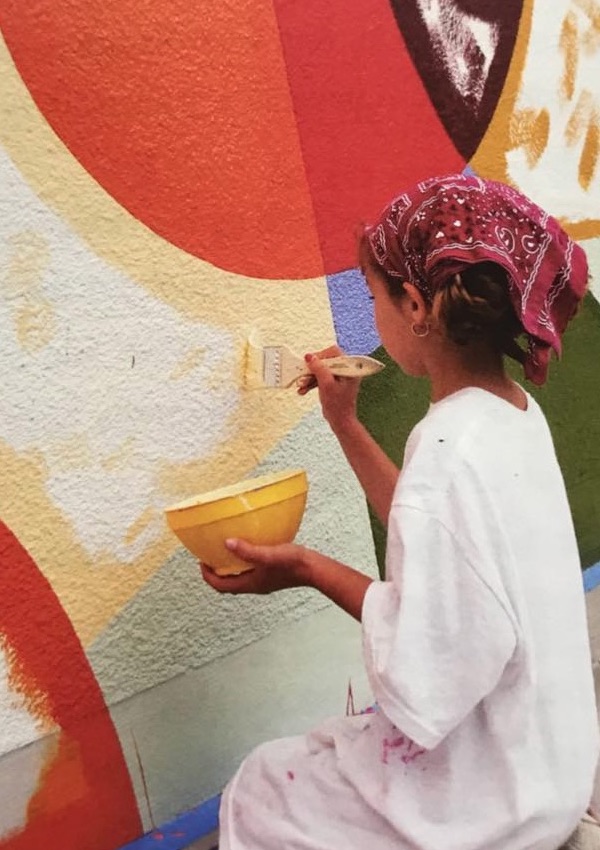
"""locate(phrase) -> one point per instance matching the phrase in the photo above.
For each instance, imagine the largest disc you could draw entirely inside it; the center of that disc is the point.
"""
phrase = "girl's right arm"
(375, 471)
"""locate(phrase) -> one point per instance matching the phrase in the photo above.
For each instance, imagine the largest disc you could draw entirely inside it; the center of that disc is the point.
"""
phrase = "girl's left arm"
(279, 567)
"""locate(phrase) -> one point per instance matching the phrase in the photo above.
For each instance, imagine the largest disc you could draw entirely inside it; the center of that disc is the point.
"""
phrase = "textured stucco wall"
(171, 177)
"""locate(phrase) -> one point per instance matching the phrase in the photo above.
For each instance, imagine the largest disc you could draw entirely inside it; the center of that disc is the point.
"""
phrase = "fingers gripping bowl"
(265, 511)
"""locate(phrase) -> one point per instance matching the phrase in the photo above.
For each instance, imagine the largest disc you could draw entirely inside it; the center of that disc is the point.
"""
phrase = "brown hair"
(475, 306)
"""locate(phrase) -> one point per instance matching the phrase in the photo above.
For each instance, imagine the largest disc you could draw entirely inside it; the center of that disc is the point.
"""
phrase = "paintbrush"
(276, 367)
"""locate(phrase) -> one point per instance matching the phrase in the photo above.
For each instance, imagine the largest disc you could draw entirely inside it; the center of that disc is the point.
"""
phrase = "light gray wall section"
(193, 731)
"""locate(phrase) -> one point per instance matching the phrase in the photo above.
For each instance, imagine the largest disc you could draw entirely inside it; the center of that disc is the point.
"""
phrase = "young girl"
(476, 645)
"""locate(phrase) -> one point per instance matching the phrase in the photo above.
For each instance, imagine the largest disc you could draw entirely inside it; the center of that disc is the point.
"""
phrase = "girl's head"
(477, 261)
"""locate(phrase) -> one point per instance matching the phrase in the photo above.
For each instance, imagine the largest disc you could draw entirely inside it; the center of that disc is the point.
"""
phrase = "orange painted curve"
(183, 115)
(255, 135)
(85, 797)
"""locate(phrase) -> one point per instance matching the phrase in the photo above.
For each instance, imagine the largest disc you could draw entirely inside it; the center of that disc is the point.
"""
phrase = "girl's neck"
(465, 369)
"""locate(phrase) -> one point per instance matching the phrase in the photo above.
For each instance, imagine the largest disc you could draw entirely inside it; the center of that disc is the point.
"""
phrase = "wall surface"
(170, 178)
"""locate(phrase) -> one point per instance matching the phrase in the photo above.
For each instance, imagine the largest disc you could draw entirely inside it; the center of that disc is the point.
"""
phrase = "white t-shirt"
(477, 651)
(477, 646)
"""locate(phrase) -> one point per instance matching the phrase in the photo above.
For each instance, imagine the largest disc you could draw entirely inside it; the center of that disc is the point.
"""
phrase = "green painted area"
(390, 404)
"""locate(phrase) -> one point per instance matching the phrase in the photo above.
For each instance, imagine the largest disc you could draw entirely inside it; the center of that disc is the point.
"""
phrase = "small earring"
(420, 330)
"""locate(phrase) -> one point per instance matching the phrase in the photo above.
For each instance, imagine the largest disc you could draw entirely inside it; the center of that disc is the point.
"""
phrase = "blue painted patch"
(591, 577)
(468, 171)
(352, 312)
(179, 833)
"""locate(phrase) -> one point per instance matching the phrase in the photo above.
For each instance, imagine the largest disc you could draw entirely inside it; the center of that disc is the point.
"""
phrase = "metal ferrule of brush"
(271, 367)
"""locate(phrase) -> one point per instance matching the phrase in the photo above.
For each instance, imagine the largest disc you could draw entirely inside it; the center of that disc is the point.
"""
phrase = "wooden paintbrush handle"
(353, 365)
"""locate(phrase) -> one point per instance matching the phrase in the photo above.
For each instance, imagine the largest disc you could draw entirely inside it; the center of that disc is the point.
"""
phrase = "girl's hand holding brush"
(337, 395)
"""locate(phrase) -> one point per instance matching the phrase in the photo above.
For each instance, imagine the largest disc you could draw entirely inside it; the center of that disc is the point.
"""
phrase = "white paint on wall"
(553, 180)
(17, 726)
(19, 778)
(592, 250)
(98, 377)
(20, 770)
(456, 35)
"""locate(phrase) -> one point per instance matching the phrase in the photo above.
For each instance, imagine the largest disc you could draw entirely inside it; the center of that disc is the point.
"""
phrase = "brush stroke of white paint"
(21, 763)
(453, 33)
(592, 249)
(553, 182)
(119, 386)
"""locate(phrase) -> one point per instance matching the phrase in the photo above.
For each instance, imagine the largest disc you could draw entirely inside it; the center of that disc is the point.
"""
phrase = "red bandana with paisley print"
(444, 224)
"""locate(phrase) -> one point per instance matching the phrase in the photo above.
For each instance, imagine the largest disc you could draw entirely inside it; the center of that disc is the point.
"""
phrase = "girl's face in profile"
(394, 316)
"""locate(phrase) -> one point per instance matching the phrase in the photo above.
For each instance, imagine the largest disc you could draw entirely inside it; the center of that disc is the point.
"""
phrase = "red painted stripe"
(367, 126)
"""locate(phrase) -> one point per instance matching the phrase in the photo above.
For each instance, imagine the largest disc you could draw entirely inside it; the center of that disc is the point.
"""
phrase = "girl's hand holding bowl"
(271, 568)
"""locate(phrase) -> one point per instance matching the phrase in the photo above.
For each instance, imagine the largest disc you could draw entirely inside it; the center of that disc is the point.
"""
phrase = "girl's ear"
(418, 306)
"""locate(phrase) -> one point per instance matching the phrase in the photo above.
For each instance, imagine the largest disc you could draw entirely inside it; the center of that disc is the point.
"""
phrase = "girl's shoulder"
(467, 432)
(473, 410)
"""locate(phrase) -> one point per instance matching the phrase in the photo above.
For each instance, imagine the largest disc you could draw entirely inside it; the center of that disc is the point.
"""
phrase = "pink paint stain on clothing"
(402, 747)
(290, 775)
(408, 758)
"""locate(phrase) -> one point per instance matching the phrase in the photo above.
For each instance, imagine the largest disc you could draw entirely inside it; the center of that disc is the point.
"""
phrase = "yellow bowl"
(265, 511)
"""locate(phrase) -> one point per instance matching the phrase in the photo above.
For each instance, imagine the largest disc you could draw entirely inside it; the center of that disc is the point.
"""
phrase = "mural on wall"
(548, 125)
(170, 180)
(83, 788)
(462, 51)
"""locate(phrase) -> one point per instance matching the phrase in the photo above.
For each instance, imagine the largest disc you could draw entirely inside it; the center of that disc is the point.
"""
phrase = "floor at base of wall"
(209, 842)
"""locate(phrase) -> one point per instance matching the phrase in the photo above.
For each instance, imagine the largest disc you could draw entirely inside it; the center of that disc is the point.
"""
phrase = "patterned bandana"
(444, 224)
